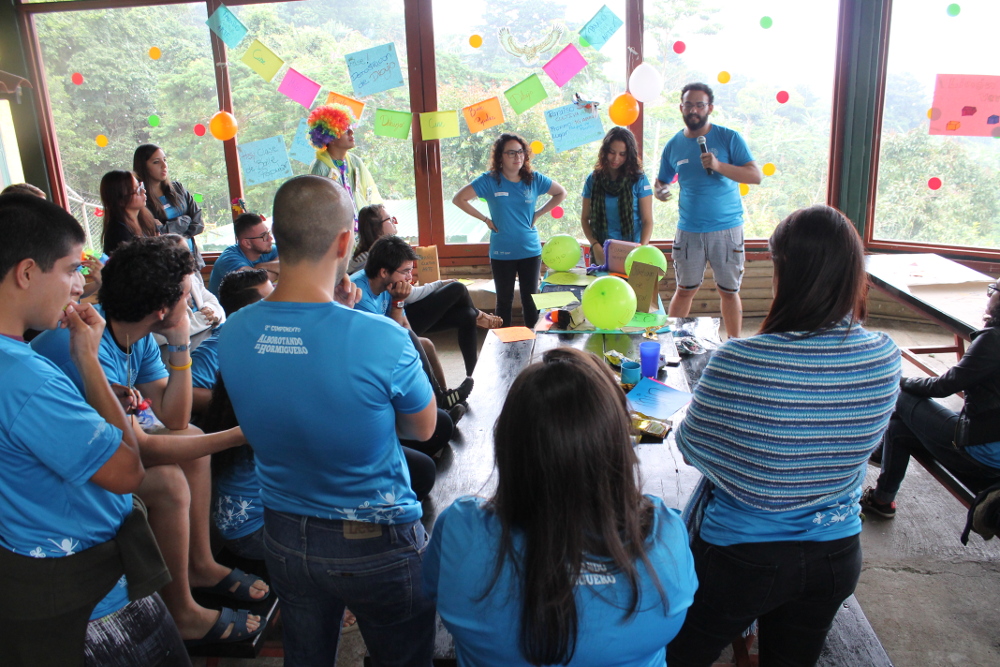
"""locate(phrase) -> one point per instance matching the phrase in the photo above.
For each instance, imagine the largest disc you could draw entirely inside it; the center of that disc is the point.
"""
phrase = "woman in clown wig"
(331, 132)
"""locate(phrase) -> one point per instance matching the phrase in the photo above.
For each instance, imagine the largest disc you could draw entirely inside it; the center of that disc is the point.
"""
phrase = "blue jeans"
(794, 589)
(317, 571)
(923, 424)
(249, 546)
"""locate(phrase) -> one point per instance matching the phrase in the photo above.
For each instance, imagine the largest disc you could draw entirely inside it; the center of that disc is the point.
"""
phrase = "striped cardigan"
(782, 422)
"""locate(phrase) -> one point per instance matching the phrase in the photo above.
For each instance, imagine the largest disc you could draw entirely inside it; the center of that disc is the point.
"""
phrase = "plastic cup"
(649, 356)
(631, 372)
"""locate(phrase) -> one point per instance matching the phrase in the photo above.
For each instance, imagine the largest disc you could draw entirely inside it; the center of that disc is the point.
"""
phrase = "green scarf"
(604, 186)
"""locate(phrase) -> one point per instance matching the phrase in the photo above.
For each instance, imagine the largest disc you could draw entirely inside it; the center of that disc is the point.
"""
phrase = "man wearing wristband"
(145, 290)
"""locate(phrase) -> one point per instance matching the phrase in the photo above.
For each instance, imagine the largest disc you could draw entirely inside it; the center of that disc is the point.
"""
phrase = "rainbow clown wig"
(328, 122)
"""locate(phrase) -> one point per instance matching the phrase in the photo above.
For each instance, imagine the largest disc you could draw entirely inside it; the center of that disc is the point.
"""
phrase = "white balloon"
(645, 84)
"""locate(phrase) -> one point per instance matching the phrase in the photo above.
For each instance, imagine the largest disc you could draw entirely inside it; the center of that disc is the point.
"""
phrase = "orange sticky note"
(512, 334)
(357, 106)
(483, 115)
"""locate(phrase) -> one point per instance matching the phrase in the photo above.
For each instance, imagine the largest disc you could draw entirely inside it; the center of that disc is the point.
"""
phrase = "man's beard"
(695, 124)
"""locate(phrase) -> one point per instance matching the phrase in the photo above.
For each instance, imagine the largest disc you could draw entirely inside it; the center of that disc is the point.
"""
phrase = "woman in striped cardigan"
(782, 424)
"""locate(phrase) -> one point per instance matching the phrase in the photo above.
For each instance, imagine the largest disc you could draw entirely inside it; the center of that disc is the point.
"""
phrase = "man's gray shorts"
(722, 249)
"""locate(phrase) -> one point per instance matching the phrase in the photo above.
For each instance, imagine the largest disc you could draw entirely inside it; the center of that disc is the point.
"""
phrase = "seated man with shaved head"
(342, 523)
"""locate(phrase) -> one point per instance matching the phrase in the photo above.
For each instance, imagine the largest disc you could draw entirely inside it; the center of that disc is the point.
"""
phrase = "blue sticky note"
(374, 70)
(656, 400)
(572, 126)
(599, 29)
(301, 149)
(264, 160)
(229, 28)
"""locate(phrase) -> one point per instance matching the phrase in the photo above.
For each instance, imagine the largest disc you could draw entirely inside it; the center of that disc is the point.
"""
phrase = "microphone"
(704, 149)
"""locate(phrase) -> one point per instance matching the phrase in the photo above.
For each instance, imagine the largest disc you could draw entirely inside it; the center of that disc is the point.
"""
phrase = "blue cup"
(630, 372)
(649, 356)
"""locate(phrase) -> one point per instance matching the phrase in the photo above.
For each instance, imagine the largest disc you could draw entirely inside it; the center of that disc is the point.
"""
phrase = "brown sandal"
(487, 321)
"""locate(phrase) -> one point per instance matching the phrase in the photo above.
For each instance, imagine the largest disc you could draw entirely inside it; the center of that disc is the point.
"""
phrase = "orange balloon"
(223, 126)
(624, 110)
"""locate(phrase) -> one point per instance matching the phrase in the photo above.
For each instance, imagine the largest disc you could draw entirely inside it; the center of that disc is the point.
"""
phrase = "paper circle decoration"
(744, 189)
(154, 120)
(537, 147)
(624, 110)
(558, 212)
(954, 9)
(561, 252)
(679, 47)
(583, 41)
(101, 140)
(199, 130)
(223, 126)
(782, 96)
(724, 77)
(475, 41)
(77, 78)
(609, 303)
(155, 53)
(769, 169)
(934, 183)
(766, 22)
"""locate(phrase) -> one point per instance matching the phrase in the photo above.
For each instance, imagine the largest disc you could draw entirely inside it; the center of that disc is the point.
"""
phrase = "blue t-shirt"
(205, 362)
(324, 434)
(459, 565)
(369, 303)
(232, 259)
(147, 365)
(51, 443)
(987, 454)
(512, 209)
(707, 203)
(728, 521)
(640, 189)
(238, 511)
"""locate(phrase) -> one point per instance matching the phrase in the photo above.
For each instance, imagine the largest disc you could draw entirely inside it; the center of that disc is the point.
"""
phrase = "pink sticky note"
(565, 65)
(957, 100)
(299, 88)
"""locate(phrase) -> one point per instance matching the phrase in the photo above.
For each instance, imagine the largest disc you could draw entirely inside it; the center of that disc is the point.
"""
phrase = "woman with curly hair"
(511, 190)
(126, 217)
(174, 208)
(331, 132)
(617, 196)
(568, 563)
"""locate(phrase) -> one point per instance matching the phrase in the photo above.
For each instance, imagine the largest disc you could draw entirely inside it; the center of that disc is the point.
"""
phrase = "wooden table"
(943, 291)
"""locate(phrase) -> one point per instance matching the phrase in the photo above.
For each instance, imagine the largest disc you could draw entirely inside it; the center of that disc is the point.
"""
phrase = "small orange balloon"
(155, 53)
(223, 126)
(624, 110)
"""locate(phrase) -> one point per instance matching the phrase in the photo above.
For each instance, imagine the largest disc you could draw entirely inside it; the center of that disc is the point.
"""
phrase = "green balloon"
(609, 303)
(561, 252)
(646, 254)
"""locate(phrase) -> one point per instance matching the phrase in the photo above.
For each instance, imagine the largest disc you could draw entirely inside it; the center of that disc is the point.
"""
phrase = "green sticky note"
(197, 197)
(439, 124)
(526, 94)
(553, 299)
(395, 124)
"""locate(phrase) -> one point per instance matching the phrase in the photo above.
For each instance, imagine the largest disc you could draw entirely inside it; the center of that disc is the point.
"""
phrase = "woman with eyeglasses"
(170, 203)
(966, 443)
(123, 197)
(568, 562)
(617, 196)
(511, 190)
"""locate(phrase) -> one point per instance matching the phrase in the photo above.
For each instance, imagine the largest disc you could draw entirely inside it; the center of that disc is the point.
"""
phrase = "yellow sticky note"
(553, 299)
(357, 106)
(483, 115)
(438, 124)
(262, 60)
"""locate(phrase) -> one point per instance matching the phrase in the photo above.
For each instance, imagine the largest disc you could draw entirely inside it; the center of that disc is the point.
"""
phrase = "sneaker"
(984, 517)
(449, 398)
(456, 412)
(869, 504)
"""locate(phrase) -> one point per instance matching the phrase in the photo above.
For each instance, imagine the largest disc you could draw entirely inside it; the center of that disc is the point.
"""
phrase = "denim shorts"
(723, 249)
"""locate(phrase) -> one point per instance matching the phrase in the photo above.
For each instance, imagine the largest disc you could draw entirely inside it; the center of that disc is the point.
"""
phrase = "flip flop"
(487, 321)
(238, 633)
(350, 623)
(242, 592)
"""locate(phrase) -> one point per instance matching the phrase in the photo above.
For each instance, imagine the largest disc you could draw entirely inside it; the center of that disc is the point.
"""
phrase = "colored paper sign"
(568, 278)
(524, 95)
(599, 29)
(374, 70)
(264, 160)
(512, 334)
(565, 65)
(299, 88)
(262, 60)
(301, 149)
(395, 124)
(428, 268)
(644, 279)
(656, 400)
(357, 106)
(229, 28)
(958, 97)
(483, 115)
(571, 126)
(438, 124)
(553, 299)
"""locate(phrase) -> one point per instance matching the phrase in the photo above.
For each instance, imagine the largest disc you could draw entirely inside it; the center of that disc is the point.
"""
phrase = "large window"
(939, 162)
(771, 67)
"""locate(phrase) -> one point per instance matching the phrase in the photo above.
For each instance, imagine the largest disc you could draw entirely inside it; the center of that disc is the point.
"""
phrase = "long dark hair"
(170, 191)
(496, 160)
(632, 169)
(220, 416)
(819, 269)
(568, 482)
(116, 191)
(369, 227)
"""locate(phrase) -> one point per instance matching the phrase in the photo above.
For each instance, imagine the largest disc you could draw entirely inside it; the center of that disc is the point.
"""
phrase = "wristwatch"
(178, 348)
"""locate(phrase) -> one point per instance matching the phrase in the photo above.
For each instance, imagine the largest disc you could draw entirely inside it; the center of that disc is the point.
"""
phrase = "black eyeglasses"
(991, 289)
(700, 106)
(516, 153)
(392, 220)
(265, 235)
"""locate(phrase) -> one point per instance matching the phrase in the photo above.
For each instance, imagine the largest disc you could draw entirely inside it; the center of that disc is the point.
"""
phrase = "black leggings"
(423, 472)
(526, 271)
(448, 308)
